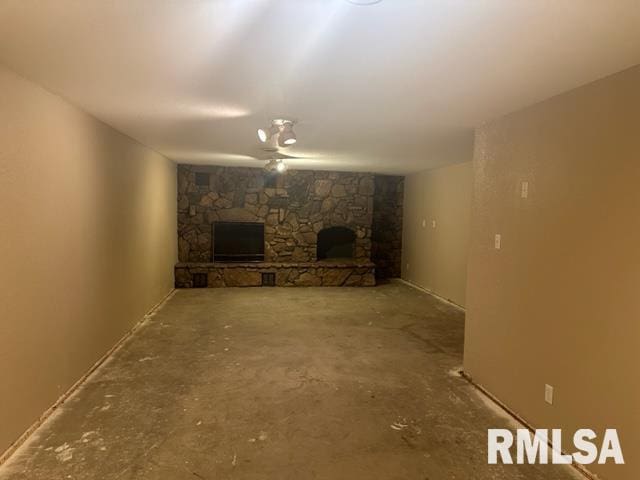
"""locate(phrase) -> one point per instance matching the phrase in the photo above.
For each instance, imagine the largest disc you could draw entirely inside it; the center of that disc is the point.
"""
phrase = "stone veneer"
(298, 274)
(294, 209)
(386, 238)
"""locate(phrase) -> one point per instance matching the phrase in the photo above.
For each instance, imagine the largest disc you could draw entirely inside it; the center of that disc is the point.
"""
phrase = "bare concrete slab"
(279, 383)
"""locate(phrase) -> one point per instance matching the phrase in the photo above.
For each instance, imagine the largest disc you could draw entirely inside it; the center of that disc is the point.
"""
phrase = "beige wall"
(559, 303)
(87, 245)
(436, 258)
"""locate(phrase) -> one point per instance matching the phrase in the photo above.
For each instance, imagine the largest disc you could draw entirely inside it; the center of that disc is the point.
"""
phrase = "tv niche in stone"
(238, 242)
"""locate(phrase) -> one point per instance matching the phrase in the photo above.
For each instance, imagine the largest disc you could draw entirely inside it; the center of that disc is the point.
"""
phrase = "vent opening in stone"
(199, 280)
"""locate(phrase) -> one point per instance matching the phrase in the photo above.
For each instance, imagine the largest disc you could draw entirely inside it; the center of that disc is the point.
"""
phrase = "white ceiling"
(392, 88)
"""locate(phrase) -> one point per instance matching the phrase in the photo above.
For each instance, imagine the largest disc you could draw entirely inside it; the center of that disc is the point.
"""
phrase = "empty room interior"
(319, 239)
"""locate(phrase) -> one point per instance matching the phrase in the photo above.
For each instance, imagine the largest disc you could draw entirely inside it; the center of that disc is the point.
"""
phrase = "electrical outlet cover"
(548, 394)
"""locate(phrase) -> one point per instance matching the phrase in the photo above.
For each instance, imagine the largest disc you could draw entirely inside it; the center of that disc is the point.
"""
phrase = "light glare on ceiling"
(218, 111)
(364, 2)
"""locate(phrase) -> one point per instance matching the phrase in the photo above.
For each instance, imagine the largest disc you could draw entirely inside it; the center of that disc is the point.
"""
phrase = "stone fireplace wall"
(387, 226)
(294, 208)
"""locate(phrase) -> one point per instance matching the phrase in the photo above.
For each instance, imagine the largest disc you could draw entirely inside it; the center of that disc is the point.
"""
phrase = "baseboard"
(430, 292)
(578, 468)
(4, 456)
(483, 391)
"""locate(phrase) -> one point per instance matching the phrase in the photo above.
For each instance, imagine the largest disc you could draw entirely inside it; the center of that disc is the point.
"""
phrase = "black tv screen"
(238, 242)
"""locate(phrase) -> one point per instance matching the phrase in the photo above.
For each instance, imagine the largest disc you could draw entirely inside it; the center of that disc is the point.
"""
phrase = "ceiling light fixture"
(276, 165)
(280, 127)
(287, 136)
(265, 134)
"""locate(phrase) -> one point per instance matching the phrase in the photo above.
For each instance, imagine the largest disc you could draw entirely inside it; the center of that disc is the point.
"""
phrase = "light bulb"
(287, 136)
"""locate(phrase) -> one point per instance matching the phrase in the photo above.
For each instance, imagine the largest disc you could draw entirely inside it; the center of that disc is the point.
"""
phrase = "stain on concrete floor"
(279, 383)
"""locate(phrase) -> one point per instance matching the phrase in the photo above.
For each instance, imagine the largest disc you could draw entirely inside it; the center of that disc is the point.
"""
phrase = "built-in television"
(238, 242)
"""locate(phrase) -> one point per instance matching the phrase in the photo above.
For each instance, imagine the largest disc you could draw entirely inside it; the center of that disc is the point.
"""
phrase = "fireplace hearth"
(336, 242)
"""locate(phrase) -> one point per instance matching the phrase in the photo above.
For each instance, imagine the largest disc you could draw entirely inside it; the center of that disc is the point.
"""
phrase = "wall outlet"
(498, 241)
(407, 267)
(433, 224)
(524, 192)
(424, 223)
(548, 394)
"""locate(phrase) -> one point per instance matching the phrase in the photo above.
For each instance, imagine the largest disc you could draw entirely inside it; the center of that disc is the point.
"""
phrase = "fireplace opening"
(238, 242)
(336, 242)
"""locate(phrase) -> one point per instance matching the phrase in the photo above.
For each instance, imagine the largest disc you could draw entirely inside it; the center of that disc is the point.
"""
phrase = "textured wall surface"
(558, 303)
(435, 255)
(386, 248)
(87, 245)
(294, 209)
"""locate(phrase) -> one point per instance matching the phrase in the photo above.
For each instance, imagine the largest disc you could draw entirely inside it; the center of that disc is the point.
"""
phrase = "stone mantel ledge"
(286, 274)
(266, 265)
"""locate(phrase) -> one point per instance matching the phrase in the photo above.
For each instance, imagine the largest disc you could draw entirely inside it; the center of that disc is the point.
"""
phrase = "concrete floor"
(279, 383)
